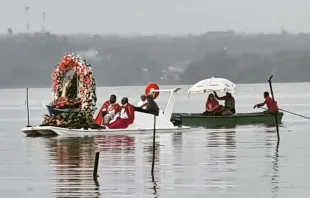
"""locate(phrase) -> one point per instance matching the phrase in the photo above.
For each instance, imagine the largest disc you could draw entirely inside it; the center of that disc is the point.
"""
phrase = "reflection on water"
(219, 141)
(73, 159)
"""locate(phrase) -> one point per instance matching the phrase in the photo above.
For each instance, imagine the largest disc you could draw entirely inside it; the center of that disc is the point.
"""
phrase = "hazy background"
(170, 42)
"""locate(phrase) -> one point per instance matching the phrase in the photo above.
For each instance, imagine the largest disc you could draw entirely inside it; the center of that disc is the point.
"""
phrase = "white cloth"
(141, 103)
(122, 115)
(108, 117)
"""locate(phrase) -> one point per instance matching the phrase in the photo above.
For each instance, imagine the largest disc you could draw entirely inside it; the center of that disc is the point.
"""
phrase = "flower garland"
(80, 91)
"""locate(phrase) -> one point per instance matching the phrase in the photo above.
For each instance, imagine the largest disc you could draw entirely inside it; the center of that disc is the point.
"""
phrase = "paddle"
(290, 113)
(276, 115)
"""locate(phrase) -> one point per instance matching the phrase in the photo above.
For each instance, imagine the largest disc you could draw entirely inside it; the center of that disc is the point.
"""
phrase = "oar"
(276, 116)
(290, 113)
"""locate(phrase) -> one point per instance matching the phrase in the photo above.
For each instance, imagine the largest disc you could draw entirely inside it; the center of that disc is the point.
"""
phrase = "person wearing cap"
(143, 102)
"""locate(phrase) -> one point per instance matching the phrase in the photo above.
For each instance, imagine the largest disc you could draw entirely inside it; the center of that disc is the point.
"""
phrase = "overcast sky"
(157, 16)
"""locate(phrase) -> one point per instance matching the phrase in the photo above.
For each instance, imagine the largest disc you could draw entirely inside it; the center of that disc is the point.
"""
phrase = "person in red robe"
(213, 107)
(272, 106)
(125, 117)
(107, 112)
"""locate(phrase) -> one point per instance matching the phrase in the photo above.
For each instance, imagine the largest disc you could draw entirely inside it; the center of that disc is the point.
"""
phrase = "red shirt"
(211, 104)
(271, 104)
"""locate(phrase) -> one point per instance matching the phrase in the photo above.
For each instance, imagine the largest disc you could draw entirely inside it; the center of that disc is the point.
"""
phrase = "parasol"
(213, 84)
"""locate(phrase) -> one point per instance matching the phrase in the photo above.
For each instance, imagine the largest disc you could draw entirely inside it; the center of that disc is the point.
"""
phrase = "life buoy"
(150, 87)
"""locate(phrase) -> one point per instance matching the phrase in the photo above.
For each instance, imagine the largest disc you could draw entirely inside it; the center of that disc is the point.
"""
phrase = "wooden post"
(276, 115)
(154, 147)
(27, 105)
(95, 172)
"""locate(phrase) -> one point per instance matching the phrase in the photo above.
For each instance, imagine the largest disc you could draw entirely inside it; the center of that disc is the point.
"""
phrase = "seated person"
(213, 107)
(229, 106)
(107, 111)
(270, 102)
(124, 118)
(151, 107)
(143, 102)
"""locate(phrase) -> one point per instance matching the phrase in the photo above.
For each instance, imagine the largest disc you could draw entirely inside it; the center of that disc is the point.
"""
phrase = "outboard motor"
(176, 121)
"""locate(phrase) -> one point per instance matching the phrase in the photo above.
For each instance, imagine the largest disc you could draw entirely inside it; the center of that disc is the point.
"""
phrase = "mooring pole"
(154, 146)
(95, 172)
(27, 105)
(276, 115)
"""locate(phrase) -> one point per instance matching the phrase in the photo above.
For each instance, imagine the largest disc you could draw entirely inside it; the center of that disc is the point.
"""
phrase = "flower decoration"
(78, 92)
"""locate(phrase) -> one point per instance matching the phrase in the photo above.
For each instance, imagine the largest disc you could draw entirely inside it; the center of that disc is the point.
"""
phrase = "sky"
(147, 17)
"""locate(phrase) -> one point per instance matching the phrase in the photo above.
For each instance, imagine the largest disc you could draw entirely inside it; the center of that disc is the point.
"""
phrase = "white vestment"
(141, 103)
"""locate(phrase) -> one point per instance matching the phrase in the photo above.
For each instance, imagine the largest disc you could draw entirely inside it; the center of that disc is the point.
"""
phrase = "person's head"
(143, 97)
(149, 97)
(211, 97)
(124, 100)
(113, 99)
(228, 94)
(266, 94)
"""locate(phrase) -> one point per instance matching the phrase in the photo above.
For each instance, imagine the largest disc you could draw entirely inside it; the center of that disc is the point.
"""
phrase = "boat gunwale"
(239, 115)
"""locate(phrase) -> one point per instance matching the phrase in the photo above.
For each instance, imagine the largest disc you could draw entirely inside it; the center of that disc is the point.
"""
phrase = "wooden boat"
(196, 119)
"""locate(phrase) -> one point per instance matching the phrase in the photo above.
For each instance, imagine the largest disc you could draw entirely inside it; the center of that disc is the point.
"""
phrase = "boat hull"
(58, 131)
(196, 120)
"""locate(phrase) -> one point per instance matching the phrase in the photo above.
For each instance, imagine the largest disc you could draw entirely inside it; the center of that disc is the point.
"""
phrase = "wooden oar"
(290, 113)
(276, 116)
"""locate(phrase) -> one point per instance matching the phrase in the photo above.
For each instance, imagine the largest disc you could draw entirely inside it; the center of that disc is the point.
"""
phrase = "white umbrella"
(213, 84)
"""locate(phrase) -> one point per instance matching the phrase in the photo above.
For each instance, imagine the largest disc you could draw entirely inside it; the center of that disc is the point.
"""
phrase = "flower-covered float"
(73, 94)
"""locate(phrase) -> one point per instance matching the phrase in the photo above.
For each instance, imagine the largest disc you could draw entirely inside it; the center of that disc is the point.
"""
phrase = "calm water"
(239, 162)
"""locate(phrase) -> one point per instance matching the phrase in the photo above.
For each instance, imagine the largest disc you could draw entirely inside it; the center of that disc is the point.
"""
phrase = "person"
(107, 112)
(229, 105)
(152, 106)
(270, 102)
(124, 118)
(143, 102)
(213, 107)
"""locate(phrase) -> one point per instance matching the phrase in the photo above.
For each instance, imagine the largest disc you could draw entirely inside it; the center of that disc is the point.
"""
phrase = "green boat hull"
(198, 120)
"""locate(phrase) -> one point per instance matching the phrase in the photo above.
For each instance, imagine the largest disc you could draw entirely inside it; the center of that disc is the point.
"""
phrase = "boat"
(143, 124)
(198, 120)
(221, 85)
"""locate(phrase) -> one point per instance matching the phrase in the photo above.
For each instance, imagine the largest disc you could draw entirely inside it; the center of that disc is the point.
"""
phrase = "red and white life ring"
(151, 87)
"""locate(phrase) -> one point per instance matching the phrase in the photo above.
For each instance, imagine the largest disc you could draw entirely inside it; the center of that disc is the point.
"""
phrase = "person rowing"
(270, 102)
(213, 107)
(229, 105)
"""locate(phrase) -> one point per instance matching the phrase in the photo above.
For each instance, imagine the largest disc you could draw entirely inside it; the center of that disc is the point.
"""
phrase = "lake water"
(239, 162)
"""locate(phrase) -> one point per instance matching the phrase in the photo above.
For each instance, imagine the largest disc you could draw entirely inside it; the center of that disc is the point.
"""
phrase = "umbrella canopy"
(213, 84)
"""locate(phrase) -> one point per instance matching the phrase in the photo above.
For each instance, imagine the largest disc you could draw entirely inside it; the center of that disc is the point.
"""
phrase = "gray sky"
(157, 16)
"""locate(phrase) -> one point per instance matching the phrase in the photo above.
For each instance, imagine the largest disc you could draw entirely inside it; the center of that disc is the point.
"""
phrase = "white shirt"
(141, 103)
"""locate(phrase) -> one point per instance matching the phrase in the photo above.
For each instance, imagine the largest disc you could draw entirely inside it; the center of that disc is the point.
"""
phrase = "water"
(239, 162)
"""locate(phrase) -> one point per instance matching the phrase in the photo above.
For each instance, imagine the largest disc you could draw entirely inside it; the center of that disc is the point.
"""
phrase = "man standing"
(270, 102)
(107, 112)
(125, 117)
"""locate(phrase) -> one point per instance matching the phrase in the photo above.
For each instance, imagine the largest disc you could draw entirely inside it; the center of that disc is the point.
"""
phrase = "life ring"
(150, 87)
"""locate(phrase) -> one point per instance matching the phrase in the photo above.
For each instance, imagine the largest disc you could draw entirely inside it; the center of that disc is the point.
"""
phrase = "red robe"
(107, 106)
(122, 123)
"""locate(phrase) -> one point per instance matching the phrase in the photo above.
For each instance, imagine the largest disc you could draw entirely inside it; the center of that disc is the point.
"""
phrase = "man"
(143, 102)
(271, 104)
(107, 112)
(152, 106)
(125, 117)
